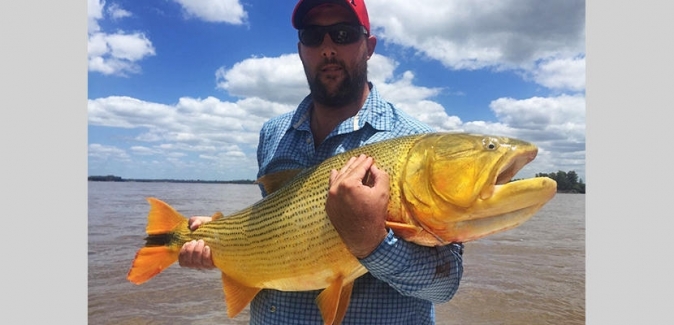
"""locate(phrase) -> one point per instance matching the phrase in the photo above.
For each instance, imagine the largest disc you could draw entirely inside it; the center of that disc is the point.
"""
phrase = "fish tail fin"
(162, 245)
(149, 262)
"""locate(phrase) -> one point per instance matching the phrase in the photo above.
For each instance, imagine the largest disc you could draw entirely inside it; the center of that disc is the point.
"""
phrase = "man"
(342, 112)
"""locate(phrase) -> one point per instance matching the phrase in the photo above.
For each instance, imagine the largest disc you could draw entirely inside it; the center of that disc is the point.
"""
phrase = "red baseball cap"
(356, 6)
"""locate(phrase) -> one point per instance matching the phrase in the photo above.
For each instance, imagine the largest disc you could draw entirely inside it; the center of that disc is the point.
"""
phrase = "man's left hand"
(357, 204)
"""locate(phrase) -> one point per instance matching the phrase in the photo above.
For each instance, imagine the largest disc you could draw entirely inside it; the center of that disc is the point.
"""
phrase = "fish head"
(452, 178)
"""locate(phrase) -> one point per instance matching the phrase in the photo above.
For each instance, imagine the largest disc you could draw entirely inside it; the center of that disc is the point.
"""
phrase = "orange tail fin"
(161, 249)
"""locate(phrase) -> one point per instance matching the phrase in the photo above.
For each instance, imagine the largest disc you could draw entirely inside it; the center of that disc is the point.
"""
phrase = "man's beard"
(348, 91)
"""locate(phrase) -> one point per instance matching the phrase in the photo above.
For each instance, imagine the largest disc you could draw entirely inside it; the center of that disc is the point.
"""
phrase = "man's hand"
(357, 204)
(196, 254)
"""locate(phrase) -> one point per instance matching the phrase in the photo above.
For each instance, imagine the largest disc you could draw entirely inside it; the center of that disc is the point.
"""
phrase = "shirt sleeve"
(430, 273)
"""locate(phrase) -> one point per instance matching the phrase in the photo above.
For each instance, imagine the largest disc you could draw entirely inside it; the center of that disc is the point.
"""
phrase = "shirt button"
(308, 140)
(272, 309)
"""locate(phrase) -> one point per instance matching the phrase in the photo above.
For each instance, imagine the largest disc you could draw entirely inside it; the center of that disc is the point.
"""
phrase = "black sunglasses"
(340, 33)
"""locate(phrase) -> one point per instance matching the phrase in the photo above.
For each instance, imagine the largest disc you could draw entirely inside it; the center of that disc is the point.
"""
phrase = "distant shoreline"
(112, 178)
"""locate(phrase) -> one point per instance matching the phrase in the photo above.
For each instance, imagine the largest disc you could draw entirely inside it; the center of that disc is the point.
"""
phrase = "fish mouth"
(507, 172)
(509, 204)
(507, 197)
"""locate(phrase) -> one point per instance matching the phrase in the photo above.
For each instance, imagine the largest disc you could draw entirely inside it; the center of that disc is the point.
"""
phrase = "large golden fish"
(445, 187)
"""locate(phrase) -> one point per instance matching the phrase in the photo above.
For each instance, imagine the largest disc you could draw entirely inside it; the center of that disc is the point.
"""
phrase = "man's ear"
(371, 44)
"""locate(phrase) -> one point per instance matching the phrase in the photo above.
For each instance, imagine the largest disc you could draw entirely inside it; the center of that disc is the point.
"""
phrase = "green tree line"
(566, 182)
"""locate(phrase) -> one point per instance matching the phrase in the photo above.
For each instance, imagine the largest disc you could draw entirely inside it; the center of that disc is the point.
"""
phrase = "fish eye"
(490, 143)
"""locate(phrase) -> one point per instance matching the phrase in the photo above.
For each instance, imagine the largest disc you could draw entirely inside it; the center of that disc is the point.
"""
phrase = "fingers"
(195, 254)
(356, 168)
(196, 221)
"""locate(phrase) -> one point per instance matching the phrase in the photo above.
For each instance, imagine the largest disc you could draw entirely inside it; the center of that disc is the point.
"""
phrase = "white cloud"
(116, 12)
(130, 47)
(117, 53)
(94, 14)
(523, 35)
(103, 152)
(277, 79)
(561, 74)
(219, 11)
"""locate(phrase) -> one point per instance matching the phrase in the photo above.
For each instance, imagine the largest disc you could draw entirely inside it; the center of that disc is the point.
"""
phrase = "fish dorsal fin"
(333, 300)
(217, 215)
(237, 295)
(273, 181)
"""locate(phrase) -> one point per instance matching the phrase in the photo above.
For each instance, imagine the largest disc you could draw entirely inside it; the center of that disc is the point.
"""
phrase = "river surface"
(533, 274)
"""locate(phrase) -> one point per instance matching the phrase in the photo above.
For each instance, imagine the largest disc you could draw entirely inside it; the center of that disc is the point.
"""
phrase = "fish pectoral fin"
(404, 230)
(333, 300)
(237, 295)
(150, 261)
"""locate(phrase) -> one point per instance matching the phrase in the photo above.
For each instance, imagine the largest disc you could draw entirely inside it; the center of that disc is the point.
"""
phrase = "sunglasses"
(340, 33)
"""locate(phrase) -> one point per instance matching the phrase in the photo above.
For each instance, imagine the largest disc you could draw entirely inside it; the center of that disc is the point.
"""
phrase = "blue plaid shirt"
(404, 279)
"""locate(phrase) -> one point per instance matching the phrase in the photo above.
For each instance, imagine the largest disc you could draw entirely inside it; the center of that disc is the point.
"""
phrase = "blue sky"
(179, 89)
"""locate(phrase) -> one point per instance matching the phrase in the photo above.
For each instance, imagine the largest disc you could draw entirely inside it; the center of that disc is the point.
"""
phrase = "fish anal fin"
(162, 218)
(273, 181)
(328, 300)
(237, 295)
(150, 261)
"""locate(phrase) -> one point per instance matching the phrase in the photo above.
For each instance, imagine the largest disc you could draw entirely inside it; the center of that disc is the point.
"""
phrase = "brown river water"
(533, 274)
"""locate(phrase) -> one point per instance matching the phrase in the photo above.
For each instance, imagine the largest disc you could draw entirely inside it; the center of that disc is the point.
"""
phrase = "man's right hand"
(195, 254)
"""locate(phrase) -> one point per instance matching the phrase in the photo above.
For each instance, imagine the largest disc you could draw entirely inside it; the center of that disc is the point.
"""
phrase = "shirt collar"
(374, 112)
